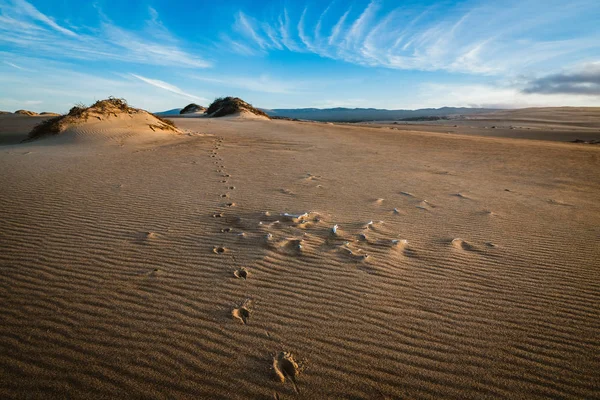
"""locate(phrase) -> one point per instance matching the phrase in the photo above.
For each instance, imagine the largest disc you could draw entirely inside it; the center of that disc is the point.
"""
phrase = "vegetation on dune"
(166, 121)
(80, 113)
(231, 105)
(26, 112)
(191, 108)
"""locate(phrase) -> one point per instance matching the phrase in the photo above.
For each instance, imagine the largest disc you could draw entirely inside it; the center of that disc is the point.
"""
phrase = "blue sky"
(286, 54)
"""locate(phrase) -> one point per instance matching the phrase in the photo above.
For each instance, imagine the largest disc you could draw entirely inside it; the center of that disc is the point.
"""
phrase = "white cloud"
(347, 103)
(58, 87)
(24, 8)
(471, 37)
(167, 86)
(490, 96)
(23, 26)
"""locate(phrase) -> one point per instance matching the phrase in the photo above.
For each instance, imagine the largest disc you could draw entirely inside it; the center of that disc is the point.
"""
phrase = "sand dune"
(104, 121)
(275, 259)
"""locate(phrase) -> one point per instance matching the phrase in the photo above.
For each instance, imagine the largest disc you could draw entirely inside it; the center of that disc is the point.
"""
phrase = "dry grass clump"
(100, 110)
(166, 121)
(231, 105)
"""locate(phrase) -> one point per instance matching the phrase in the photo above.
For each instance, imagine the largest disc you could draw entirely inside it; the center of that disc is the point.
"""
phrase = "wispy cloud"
(24, 27)
(17, 66)
(25, 9)
(167, 86)
(262, 84)
(60, 85)
(471, 37)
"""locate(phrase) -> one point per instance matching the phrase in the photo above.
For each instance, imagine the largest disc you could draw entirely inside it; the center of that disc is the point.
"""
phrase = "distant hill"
(172, 112)
(371, 114)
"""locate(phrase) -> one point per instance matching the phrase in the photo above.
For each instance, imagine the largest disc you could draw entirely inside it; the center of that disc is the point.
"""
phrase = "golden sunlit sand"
(236, 258)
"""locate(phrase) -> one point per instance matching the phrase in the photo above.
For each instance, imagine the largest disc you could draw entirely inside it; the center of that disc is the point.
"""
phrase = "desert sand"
(246, 258)
(563, 124)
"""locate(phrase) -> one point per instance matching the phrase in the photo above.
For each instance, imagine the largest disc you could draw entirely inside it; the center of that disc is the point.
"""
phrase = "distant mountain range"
(172, 112)
(371, 114)
(360, 114)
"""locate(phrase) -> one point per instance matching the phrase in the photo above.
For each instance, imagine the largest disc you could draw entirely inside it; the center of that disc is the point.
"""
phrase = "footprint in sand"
(219, 250)
(148, 235)
(243, 312)
(229, 204)
(487, 213)
(407, 194)
(286, 367)
(241, 273)
(231, 188)
(226, 195)
(286, 191)
(355, 254)
(226, 230)
(145, 238)
(462, 244)
(425, 205)
(218, 215)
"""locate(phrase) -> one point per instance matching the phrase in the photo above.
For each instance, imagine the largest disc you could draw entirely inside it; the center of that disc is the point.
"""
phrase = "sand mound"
(50, 114)
(193, 108)
(26, 112)
(234, 106)
(109, 116)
